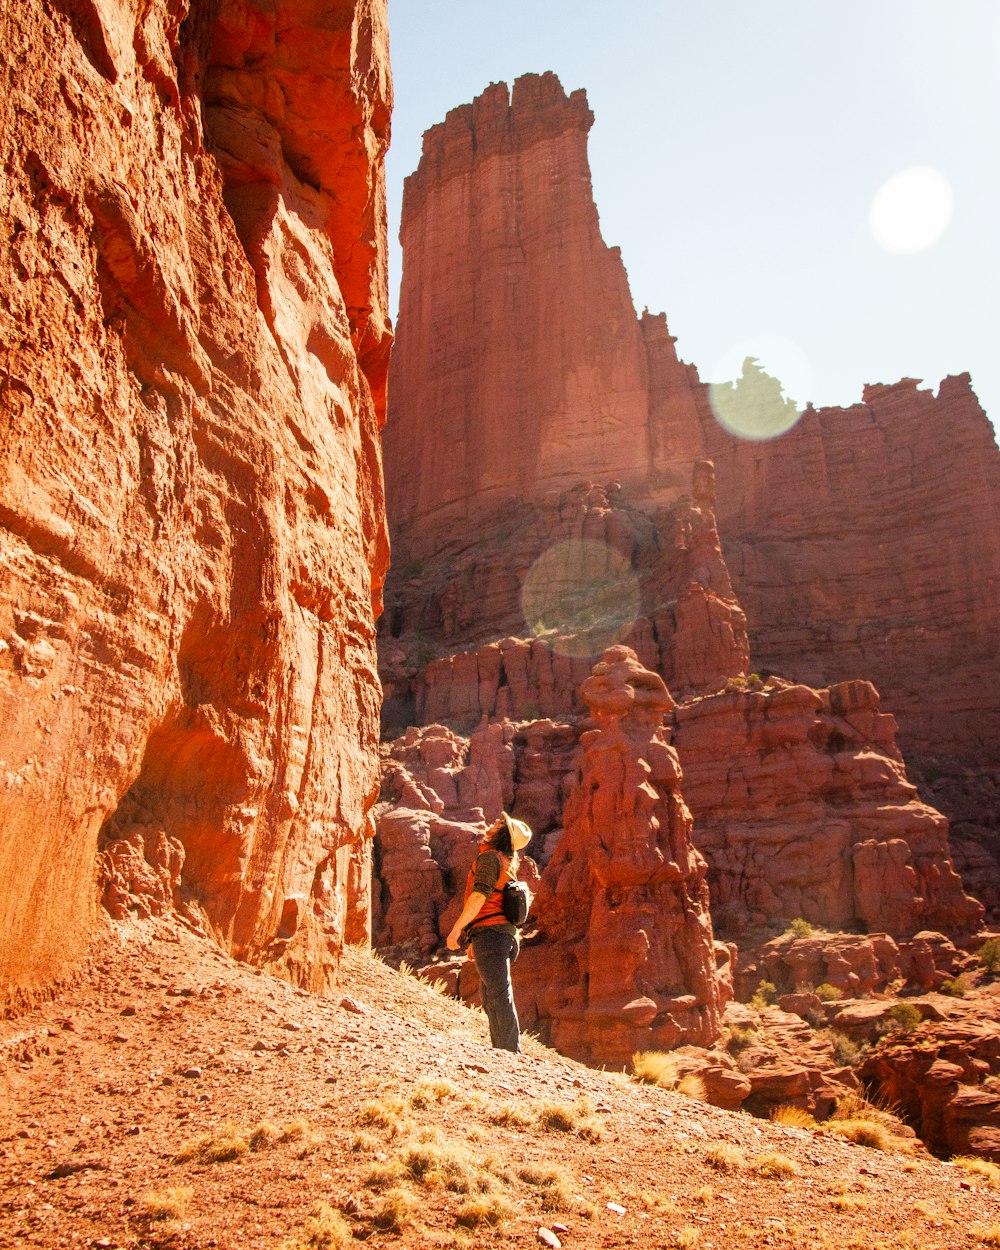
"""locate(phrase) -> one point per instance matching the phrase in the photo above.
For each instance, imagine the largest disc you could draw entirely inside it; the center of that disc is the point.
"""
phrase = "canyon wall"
(863, 544)
(192, 534)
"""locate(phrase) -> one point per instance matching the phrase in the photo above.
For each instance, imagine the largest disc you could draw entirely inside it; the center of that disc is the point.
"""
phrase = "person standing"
(494, 939)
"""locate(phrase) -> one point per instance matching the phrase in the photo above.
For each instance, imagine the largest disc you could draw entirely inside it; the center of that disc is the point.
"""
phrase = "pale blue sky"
(737, 147)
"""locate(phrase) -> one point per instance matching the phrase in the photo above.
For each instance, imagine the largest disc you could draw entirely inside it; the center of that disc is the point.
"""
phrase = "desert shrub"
(386, 1113)
(167, 1204)
(828, 993)
(989, 955)
(220, 1145)
(955, 986)
(725, 1158)
(385, 1175)
(792, 1117)
(800, 928)
(430, 1091)
(775, 1166)
(488, 1209)
(990, 1172)
(905, 1016)
(765, 995)
(447, 1167)
(739, 1037)
(846, 1051)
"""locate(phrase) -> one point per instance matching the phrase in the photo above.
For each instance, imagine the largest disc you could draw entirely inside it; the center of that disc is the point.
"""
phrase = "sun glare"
(911, 210)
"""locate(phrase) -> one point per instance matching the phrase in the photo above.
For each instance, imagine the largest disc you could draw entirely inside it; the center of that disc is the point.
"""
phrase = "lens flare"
(580, 596)
(758, 404)
(911, 210)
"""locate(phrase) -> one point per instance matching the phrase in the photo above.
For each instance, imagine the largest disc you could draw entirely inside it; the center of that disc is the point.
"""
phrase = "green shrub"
(828, 993)
(739, 1037)
(846, 1052)
(905, 1016)
(989, 955)
(766, 995)
(800, 928)
(955, 986)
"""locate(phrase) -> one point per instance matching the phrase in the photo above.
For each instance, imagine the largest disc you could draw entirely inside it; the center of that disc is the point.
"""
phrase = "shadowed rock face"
(191, 523)
(862, 544)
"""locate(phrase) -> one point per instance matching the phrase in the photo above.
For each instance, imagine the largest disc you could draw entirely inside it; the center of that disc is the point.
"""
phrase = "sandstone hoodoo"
(627, 959)
(862, 542)
(192, 533)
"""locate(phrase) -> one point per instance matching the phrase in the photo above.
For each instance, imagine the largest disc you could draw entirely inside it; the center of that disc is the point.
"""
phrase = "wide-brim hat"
(520, 833)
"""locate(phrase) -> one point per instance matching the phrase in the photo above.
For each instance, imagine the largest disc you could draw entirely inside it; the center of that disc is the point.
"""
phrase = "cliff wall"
(192, 534)
(519, 365)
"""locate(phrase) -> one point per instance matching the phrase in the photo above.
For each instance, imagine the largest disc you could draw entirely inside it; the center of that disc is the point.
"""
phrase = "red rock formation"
(192, 535)
(863, 543)
(944, 1075)
(627, 959)
(803, 809)
(530, 363)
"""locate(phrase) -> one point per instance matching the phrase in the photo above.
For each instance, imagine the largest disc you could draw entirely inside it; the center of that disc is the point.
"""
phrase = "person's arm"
(487, 874)
(468, 913)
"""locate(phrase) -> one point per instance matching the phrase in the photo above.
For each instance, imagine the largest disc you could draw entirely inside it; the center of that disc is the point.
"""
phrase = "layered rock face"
(519, 365)
(803, 809)
(862, 543)
(192, 532)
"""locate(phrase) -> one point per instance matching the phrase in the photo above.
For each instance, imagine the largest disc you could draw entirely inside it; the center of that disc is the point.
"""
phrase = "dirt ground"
(174, 1098)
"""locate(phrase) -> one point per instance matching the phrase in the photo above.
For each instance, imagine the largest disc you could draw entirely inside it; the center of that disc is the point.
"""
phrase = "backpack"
(516, 902)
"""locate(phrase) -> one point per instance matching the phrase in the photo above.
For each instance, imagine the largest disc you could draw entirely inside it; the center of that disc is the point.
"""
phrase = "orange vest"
(491, 912)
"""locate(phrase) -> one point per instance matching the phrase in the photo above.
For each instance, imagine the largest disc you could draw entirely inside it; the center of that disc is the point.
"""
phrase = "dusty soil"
(383, 1115)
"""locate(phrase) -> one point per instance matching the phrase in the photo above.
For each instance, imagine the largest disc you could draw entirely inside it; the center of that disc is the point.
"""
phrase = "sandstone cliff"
(195, 343)
(862, 544)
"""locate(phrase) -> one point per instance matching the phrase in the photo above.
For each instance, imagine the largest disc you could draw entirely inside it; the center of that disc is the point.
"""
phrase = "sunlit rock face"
(519, 366)
(627, 959)
(192, 532)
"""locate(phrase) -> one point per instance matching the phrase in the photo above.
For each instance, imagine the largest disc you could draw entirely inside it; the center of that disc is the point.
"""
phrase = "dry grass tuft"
(848, 1202)
(691, 1085)
(364, 1143)
(387, 1113)
(988, 1235)
(446, 1166)
(554, 1183)
(386, 1175)
(990, 1172)
(167, 1204)
(429, 1091)
(485, 1209)
(326, 1229)
(263, 1134)
(395, 1212)
(775, 1166)
(792, 1117)
(725, 1158)
(570, 1117)
(510, 1116)
(705, 1195)
(686, 1239)
(655, 1067)
(220, 1145)
(863, 1132)
(658, 1204)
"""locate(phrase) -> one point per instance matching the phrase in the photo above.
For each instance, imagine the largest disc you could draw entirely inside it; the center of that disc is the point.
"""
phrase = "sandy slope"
(389, 1107)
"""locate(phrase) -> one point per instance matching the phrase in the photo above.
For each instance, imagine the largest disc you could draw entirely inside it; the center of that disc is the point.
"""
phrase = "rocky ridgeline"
(192, 535)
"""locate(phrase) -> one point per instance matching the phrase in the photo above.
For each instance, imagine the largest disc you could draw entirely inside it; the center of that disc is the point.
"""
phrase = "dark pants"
(494, 950)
